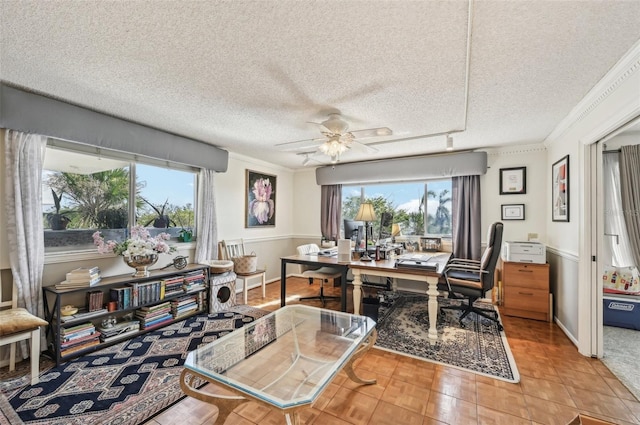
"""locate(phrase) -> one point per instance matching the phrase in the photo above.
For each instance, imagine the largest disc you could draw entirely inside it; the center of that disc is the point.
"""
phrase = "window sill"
(92, 254)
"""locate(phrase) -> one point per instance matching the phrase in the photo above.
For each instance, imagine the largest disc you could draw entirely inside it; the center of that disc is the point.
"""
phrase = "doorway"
(618, 277)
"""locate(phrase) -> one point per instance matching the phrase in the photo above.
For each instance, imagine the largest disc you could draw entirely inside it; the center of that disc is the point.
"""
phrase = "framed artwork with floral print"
(260, 207)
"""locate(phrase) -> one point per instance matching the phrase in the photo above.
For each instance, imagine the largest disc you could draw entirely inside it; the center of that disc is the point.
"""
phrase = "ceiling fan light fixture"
(449, 142)
(333, 148)
(306, 160)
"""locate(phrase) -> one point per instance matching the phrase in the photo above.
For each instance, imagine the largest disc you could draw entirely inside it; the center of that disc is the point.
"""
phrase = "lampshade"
(365, 213)
(395, 229)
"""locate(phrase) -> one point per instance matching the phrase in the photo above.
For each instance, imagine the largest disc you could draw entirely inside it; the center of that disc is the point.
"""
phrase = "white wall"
(613, 101)
(231, 200)
(535, 200)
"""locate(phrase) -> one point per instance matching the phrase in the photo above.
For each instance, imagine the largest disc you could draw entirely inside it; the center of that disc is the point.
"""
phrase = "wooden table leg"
(225, 403)
(357, 291)
(433, 306)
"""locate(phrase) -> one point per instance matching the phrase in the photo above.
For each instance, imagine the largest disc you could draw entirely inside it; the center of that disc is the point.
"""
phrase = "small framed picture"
(513, 181)
(513, 211)
(560, 190)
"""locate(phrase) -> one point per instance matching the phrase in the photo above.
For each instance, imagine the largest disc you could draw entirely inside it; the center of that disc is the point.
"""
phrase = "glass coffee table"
(283, 360)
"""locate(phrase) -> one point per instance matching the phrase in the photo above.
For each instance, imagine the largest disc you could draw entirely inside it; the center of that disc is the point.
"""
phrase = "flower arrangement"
(262, 207)
(140, 243)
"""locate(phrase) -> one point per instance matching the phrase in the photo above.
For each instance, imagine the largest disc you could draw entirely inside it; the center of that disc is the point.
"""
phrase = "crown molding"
(516, 149)
(622, 72)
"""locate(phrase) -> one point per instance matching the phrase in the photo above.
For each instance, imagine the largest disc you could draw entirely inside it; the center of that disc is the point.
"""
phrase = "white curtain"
(24, 158)
(207, 225)
(616, 236)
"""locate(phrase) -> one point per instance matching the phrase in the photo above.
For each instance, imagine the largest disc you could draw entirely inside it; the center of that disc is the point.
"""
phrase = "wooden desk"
(384, 268)
(388, 268)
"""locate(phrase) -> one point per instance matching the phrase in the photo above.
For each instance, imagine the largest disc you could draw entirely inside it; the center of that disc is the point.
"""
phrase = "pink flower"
(262, 207)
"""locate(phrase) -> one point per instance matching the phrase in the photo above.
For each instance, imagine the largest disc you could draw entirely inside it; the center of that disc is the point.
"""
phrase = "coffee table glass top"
(285, 358)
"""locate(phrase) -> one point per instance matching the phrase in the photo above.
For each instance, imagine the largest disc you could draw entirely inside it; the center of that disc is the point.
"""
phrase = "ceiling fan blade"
(301, 144)
(372, 132)
(367, 148)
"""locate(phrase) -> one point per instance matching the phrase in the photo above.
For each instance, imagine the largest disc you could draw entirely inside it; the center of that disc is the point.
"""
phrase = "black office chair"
(471, 279)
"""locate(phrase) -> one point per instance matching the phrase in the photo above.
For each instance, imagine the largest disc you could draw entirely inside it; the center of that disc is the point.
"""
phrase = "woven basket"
(245, 264)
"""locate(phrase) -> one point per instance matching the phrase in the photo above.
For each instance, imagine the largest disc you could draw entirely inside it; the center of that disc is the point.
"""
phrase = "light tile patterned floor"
(556, 384)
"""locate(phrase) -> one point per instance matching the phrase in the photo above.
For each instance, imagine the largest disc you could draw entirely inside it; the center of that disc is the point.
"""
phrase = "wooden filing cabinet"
(525, 290)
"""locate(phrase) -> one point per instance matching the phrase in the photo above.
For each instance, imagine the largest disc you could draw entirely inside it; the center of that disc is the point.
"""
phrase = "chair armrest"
(463, 261)
(463, 267)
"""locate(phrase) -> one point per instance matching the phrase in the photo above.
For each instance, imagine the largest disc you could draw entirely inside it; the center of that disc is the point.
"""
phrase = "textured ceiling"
(246, 76)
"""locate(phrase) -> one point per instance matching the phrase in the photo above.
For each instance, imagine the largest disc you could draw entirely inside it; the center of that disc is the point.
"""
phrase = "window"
(407, 203)
(84, 192)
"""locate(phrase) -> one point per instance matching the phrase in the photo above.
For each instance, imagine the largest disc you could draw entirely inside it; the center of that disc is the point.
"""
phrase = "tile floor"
(556, 384)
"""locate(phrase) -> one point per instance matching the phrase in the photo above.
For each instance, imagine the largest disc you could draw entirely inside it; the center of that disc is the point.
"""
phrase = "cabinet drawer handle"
(525, 293)
(526, 271)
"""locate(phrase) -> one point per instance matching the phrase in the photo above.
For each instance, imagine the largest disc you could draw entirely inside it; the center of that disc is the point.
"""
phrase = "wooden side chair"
(17, 324)
(235, 248)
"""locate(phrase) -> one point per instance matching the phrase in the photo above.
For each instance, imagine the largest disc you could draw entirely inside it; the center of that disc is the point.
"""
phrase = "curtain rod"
(613, 151)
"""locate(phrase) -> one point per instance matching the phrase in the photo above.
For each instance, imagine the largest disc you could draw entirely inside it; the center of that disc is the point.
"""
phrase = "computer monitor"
(354, 230)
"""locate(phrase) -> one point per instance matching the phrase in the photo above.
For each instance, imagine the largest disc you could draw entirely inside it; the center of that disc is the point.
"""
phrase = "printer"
(524, 252)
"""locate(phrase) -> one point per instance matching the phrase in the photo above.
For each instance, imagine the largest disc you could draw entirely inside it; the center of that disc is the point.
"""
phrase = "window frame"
(77, 254)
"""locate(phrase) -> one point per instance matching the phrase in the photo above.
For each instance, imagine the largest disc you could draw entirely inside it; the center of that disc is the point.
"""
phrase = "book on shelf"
(80, 327)
(84, 275)
(119, 336)
(80, 340)
(158, 323)
(77, 335)
(94, 300)
(80, 347)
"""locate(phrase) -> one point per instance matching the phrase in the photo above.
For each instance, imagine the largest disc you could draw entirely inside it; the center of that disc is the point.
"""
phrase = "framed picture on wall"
(513, 212)
(560, 190)
(513, 181)
(260, 198)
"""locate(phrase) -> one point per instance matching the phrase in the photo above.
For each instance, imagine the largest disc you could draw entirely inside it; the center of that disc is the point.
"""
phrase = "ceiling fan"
(337, 140)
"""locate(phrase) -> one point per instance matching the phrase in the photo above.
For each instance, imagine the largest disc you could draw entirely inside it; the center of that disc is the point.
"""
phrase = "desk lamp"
(395, 231)
(366, 214)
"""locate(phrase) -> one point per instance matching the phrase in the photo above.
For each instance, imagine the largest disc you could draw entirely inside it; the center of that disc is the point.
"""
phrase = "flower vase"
(140, 263)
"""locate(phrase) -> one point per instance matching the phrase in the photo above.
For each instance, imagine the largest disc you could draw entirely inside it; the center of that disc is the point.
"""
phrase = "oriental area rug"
(124, 384)
(476, 344)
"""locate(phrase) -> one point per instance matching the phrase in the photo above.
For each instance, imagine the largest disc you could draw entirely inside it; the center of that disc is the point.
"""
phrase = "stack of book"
(184, 306)
(155, 315)
(122, 296)
(173, 286)
(77, 338)
(120, 330)
(94, 300)
(147, 292)
(80, 278)
(194, 281)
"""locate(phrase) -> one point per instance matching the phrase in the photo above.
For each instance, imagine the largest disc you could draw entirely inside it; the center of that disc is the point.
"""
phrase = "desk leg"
(433, 306)
(283, 283)
(357, 291)
(343, 290)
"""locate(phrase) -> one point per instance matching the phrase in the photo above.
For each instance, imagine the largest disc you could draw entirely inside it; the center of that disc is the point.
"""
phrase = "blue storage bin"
(621, 312)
